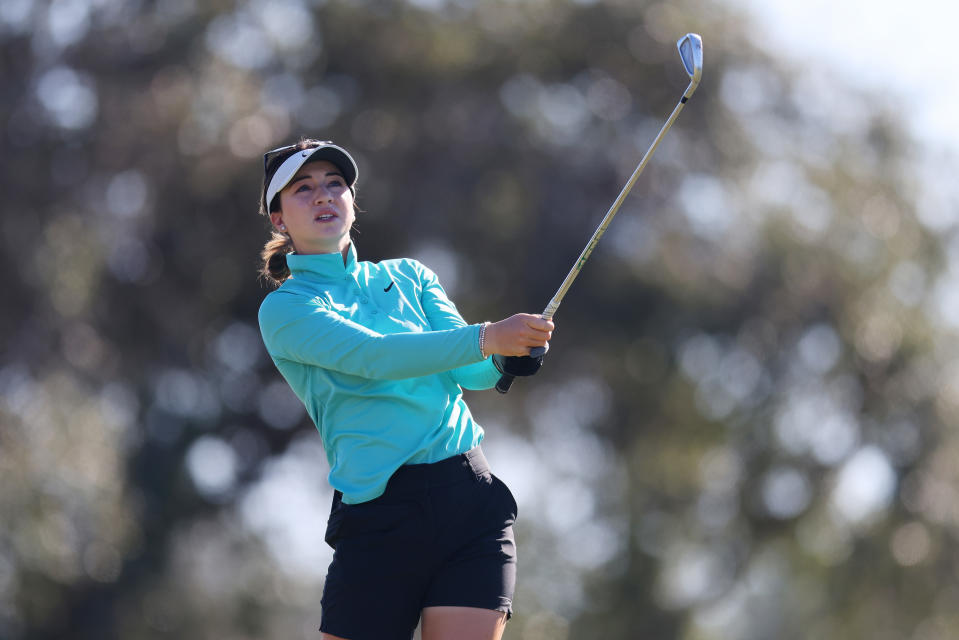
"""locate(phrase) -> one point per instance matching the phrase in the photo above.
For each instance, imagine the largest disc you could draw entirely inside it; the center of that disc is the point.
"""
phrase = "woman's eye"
(302, 188)
(335, 183)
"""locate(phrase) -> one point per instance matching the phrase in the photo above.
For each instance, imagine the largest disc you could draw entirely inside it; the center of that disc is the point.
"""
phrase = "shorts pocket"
(375, 521)
(508, 498)
(333, 526)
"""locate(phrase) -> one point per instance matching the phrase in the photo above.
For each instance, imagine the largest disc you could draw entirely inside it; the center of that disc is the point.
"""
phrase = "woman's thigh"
(462, 623)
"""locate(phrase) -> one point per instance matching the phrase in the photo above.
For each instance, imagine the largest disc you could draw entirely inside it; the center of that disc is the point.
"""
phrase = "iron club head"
(691, 51)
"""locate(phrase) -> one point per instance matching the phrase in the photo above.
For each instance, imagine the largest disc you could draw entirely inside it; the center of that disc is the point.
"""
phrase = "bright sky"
(890, 45)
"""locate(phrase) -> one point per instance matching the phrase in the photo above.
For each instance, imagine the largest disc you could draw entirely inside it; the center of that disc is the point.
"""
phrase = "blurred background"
(750, 401)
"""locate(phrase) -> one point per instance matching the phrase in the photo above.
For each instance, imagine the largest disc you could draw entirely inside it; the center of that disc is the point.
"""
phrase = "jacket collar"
(325, 266)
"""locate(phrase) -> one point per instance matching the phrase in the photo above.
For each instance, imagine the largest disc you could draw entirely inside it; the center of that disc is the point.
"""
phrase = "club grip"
(505, 382)
(536, 352)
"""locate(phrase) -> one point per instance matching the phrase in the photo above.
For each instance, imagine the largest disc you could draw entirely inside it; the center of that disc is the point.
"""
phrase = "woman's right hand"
(516, 335)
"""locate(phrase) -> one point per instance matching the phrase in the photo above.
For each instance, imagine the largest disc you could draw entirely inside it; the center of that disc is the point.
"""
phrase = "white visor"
(330, 152)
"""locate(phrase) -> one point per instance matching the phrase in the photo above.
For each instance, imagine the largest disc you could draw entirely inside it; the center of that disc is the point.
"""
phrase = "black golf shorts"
(441, 535)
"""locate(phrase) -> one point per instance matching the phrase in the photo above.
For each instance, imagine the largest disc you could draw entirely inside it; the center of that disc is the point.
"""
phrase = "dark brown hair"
(274, 268)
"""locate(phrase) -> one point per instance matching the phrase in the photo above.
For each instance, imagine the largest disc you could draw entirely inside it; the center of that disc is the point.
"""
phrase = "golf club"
(691, 51)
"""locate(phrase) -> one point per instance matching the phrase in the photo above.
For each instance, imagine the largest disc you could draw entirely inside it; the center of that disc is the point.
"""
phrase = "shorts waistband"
(470, 465)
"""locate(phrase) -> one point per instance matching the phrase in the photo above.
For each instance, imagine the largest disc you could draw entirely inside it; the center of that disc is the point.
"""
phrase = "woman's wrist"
(483, 345)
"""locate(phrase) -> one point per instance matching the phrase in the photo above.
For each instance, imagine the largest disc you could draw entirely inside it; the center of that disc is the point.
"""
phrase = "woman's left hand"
(516, 335)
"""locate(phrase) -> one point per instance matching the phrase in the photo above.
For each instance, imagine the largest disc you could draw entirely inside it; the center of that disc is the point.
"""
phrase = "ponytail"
(274, 269)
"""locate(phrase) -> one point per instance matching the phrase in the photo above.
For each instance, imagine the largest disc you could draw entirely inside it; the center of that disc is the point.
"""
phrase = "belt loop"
(477, 468)
(468, 466)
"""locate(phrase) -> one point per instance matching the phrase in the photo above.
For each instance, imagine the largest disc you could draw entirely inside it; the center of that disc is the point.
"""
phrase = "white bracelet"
(482, 339)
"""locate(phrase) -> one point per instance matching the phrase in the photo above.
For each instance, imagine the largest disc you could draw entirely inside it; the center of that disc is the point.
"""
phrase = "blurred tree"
(744, 408)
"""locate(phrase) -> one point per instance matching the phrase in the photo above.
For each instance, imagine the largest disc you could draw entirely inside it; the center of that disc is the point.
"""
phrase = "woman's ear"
(276, 218)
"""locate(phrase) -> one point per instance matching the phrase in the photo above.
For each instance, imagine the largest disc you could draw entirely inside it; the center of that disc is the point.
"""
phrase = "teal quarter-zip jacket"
(379, 356)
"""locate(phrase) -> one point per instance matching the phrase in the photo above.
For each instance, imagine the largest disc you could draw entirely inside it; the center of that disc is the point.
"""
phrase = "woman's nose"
(323, 194)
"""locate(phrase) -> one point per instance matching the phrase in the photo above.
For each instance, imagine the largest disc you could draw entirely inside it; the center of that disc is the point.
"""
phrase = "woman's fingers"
(541, 330)
(537, 339)
(537, 323)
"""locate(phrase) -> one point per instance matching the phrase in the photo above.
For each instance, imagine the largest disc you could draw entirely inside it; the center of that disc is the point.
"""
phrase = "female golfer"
(421, 530)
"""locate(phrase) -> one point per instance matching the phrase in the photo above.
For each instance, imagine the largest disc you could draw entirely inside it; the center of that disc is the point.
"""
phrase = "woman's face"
(316, 207)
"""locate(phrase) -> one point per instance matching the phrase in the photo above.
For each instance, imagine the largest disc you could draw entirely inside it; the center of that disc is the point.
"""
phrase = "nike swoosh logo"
(389, 287)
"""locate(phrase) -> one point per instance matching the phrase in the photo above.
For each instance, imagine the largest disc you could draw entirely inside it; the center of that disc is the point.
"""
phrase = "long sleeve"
(307, 332)
(443, 314)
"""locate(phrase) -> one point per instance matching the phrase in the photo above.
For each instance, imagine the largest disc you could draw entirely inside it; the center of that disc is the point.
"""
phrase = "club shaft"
(561, 292)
